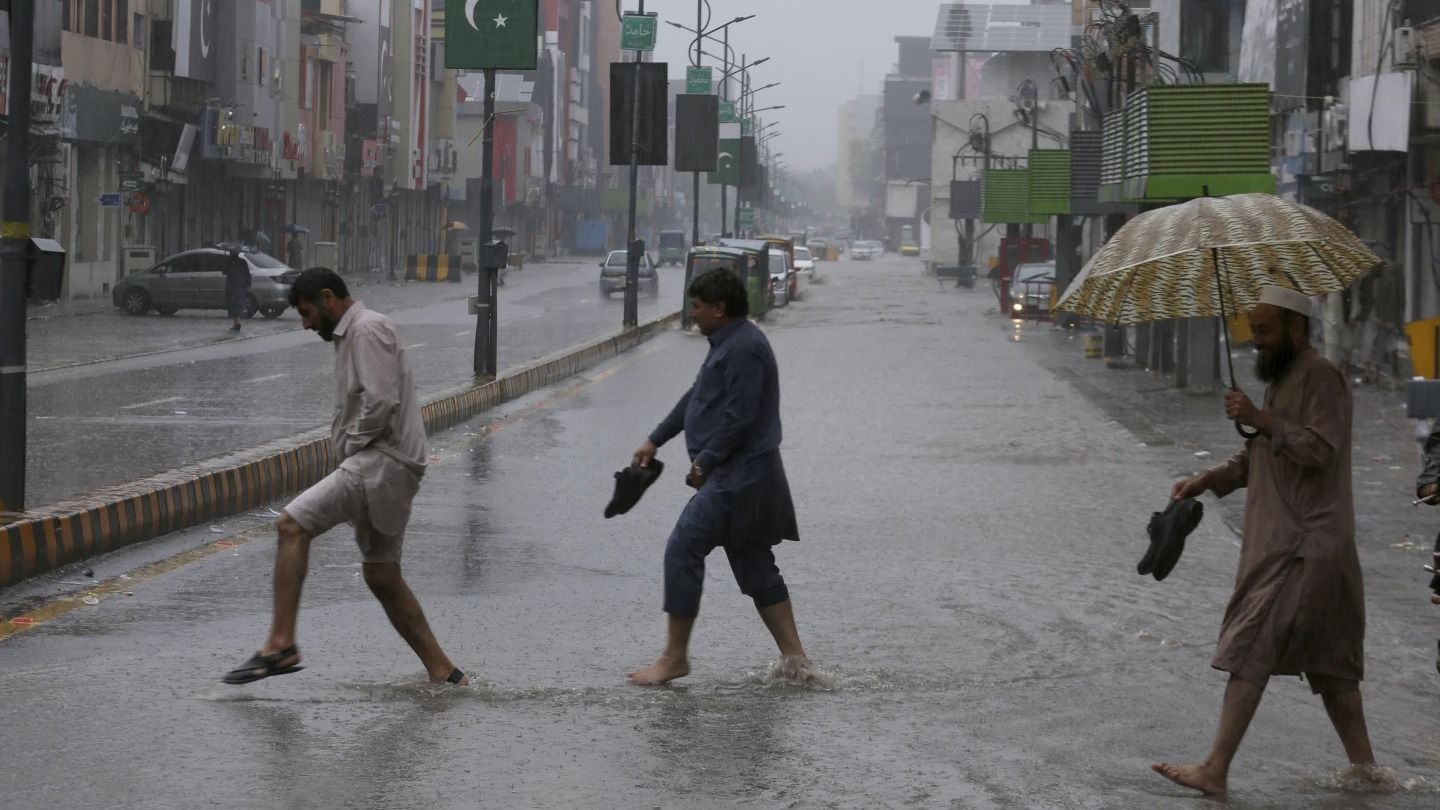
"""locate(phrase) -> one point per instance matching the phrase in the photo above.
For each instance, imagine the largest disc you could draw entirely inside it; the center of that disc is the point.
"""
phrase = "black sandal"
(261, 666)
(456, 676)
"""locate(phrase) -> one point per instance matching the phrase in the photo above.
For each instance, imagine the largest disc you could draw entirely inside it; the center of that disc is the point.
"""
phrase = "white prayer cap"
(1285, 298)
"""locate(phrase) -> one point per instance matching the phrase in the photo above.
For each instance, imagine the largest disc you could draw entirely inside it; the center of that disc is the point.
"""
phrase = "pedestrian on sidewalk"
(379, 438)
(1298, 605)
(295, 252)
(731, 421)
(237, 288)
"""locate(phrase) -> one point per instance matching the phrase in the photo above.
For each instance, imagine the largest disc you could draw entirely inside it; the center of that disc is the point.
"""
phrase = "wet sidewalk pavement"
(965, 584)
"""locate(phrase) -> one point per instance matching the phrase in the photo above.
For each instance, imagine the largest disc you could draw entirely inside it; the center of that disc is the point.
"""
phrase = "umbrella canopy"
(457, 225)
(296, 229)
(502, 233)
(1173, 262)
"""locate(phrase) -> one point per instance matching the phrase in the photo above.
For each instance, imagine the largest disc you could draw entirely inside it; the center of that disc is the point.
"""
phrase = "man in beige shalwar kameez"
(1298, 606)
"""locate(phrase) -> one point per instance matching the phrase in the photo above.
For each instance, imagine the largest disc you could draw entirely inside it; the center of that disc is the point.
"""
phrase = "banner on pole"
(500, 34)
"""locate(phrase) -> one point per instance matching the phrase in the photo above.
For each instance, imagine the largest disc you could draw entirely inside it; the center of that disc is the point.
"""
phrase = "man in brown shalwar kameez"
(1298, 606)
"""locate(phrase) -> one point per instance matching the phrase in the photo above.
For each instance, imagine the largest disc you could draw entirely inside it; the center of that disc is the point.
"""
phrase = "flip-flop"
(262, 666)
(456, 676)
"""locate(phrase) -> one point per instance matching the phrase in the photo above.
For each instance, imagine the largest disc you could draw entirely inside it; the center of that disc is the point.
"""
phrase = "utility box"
(495, 254)
(325, 254)
(47, 270)
(138, 257)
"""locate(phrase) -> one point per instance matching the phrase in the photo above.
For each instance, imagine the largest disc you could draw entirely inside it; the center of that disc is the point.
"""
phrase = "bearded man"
(1298, 606)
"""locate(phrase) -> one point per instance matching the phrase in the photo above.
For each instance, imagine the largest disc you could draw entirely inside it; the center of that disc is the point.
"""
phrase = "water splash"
(793, 671)
(1376, 779)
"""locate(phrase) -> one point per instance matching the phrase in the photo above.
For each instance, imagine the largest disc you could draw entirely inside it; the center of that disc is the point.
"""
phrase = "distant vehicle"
(195, 279)
(805, 263)
(824, 249)
(1031, 287)
(908, 245)
(866, 249)
(612, 274)
(672, 247)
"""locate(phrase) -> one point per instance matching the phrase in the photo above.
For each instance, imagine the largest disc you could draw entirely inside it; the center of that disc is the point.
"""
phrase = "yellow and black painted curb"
(432, 267)
(47, 538)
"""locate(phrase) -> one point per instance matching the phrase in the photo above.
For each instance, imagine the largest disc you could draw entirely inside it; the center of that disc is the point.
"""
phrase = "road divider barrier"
(44, 539)
(432, 267)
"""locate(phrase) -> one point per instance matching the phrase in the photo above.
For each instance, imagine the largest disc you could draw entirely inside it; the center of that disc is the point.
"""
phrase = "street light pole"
(724, 96)
(487, 327)
(15, 260)
(632, 255)
(740, 113)
(695, 198)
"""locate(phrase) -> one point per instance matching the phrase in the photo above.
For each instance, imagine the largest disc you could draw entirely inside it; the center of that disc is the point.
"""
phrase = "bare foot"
(664, 670)
(1200, 777)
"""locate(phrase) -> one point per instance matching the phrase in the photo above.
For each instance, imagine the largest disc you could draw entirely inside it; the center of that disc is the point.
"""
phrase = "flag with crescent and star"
(500, 34)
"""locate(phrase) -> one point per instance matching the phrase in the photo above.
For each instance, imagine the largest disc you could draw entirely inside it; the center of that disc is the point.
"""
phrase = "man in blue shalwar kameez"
(731, 421)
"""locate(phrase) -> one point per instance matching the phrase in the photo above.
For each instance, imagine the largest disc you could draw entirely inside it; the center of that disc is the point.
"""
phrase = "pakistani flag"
(491, 34)
(727, 165)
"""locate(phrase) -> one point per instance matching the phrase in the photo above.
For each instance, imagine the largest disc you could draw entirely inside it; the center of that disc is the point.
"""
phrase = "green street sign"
(498, 34)
(747, 127)
(698, 80)
(747, 219)
(727, 112)
(131, 182)
(637, 32)
(727, 164)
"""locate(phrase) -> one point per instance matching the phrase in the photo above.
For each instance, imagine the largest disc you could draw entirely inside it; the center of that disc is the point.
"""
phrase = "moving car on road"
(1031, 289)
(805, 263)
(195, 279)
(612, 274)
(672, 247)
(866, 249)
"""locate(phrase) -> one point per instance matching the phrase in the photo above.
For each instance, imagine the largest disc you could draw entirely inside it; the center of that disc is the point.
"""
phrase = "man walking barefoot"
(1298, 605)
(379, 437)
(731, 420)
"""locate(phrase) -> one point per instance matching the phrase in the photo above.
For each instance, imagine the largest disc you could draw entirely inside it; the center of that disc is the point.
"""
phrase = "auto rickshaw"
(746, 258)
(784, 243)
(672, 247)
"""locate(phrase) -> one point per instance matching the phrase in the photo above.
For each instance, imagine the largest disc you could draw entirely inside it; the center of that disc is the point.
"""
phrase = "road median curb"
(46, 538)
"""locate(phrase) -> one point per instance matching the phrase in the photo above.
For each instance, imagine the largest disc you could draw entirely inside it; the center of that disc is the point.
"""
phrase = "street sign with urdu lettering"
(727, 171)
(110, 199)
(747, 126)
(637, 32)
(130, 182)
(497, 34)
(727, 112)
(698, 80)
(747, 218)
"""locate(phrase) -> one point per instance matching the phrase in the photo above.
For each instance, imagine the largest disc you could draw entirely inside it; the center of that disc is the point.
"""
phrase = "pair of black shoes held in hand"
(1168, 531)
(630, 484)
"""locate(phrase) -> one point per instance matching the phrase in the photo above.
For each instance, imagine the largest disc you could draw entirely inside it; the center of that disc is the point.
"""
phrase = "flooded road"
(169, 397)
(965, 584)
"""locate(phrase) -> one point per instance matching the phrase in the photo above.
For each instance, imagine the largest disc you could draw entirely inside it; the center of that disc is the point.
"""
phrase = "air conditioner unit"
(138, 257)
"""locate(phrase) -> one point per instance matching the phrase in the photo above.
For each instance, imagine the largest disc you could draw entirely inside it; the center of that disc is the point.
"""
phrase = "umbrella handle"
(1246, 433)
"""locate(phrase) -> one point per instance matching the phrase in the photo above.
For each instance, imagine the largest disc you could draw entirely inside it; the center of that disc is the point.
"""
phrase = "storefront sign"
(100, 116)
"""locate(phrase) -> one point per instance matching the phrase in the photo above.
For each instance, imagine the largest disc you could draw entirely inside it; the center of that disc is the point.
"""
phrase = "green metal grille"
(1007, 198)
(1199, 135)
(1049, 181)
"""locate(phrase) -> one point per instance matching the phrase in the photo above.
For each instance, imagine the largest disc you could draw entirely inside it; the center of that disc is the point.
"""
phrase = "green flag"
(498, 34)
(727, 166)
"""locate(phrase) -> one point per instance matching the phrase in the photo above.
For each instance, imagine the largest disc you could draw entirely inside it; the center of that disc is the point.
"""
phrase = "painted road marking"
(416, 346)
(266, 378)
(463, 334)
(151, 402)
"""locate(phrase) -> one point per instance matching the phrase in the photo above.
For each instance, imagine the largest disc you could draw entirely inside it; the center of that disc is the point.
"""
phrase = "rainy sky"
(824, 52)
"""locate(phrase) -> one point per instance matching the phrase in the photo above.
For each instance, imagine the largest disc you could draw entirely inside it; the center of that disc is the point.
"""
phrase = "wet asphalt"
(117, 398)
(965, 585)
